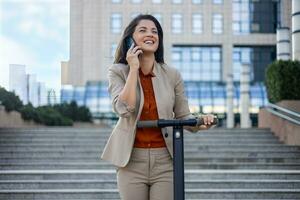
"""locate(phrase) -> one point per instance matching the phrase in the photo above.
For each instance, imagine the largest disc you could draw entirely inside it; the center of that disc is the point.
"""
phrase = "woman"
(143, 87)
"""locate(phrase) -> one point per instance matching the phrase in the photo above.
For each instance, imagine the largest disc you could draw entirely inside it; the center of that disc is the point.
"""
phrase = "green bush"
(57, 115)
(49, 116)
(45, 115)
(282, 81)
(84, 114)
(10, 101)
(74, 112)
(28, 112)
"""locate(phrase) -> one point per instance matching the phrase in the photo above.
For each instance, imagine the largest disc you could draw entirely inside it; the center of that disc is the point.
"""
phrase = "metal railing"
(284, 113)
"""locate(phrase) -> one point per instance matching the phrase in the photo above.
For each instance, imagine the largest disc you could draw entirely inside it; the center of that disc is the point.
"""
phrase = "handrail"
(284, 110)
(272, 108)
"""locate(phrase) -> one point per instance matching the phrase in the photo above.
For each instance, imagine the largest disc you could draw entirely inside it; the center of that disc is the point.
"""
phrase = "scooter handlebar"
(174, 122)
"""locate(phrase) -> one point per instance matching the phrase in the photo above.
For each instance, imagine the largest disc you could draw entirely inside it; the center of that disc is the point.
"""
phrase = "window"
(197, 1)
(116, 1)
(217, 1)
(113, 50)
(197, 23)
(198, 63)
(257, 57)
(217, 23)
(116, 23)
(176, 23)
(254, 16)
(136, 1)
(177, 1)
(158, 17)
(156, 1)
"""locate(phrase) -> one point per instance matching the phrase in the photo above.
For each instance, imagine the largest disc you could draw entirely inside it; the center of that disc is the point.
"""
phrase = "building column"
(229, 101)
(244, 95)
(283, 43)
(296, 29)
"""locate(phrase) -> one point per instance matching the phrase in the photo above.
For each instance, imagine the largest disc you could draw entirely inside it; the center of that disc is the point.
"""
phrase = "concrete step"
(187, 150)
(112, 184)
(95, 154)
(207, 159)
(106, 135)
(93, 140)
(45, 130)
(103, 135)
(113, 193)
(37, 166)
(214, 146)
(111, 174)
(193, 147)
(97, 142)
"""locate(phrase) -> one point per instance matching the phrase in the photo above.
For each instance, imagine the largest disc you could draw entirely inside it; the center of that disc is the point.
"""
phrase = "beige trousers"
(147, 176)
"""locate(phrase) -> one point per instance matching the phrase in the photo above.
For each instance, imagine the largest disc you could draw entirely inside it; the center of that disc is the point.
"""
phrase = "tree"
(282, 80)
(10, 101)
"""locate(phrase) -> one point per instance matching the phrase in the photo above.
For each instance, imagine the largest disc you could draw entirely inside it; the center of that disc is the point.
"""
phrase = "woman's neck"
(147, 62)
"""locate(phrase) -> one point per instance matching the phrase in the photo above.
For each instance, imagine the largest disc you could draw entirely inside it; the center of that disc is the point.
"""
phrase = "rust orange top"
(148, 137)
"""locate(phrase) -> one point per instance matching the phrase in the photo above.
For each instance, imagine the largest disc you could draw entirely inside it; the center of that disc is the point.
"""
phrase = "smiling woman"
(143, 87)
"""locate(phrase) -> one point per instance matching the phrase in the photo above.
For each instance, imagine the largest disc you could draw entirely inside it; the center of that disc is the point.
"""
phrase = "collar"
(153, 71)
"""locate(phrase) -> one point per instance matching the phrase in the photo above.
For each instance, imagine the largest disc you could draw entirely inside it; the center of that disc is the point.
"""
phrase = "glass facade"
(201, 70)
(252, 16)
(94, 95)
(198, 63)
(203, 96)
(258, 58)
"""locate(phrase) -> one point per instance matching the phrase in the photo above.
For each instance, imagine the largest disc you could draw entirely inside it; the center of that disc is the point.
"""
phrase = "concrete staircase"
(63, 163)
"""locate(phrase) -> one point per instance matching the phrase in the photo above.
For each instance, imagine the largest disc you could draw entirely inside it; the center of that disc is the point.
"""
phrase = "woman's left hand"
(207, 121)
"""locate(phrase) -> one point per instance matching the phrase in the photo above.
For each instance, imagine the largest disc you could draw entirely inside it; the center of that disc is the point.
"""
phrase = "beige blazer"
(171, 103)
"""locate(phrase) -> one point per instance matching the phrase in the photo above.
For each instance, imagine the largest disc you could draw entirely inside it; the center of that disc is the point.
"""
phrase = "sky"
(34, 33)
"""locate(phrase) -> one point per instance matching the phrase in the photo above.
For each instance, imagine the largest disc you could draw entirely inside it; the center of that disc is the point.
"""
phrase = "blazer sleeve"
(181, 106)
(116, 83)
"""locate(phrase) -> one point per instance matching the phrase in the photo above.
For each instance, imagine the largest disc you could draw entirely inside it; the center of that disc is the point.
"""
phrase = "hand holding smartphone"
(132, 56)
(129, 42)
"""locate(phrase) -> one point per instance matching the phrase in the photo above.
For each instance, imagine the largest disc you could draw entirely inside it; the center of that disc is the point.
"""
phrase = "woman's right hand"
(132, 57)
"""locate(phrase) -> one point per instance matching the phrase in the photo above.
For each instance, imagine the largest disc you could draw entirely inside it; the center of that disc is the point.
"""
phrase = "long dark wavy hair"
(120, 55)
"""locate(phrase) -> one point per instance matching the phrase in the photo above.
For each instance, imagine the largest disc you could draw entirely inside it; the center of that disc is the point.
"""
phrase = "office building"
(26, 86)
(18, 81)
(205, 39)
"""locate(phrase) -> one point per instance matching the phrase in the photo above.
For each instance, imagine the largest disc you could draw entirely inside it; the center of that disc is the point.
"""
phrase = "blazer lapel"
(156, 85)
(140, 98)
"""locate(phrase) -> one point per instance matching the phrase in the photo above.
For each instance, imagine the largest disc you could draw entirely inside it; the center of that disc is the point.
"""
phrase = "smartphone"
(129, 41)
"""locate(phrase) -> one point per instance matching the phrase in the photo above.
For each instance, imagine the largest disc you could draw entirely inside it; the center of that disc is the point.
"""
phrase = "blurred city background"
(62, 49)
